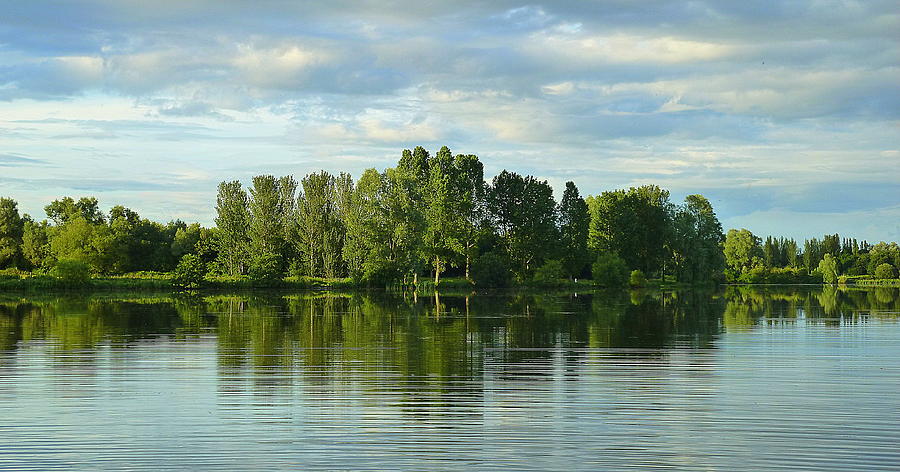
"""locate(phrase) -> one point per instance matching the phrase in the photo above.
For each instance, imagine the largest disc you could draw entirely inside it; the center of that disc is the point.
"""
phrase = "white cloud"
(624, 48)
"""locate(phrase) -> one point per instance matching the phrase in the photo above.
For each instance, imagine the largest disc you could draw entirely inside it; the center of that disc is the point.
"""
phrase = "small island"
(433, 221)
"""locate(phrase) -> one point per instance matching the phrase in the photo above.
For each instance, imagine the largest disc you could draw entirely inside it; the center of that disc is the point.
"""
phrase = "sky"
(786, 114)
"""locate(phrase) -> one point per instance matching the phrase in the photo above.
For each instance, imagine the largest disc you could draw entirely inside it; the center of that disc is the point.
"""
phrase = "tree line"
(431, 215)
(784, 260)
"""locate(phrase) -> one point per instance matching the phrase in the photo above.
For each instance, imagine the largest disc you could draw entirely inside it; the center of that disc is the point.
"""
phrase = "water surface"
(735, 380)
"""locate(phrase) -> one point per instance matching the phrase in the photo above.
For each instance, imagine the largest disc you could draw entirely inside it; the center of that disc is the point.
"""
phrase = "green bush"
(265, 269)
(609, 270)
(71, 272)
(637, 278)
(12, 273)
(190, 272)
(491, 270)
(885, 271)
(550, 273)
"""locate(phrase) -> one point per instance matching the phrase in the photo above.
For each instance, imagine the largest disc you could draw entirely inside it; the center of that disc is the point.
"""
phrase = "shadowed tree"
(574, 222)
(524, 213)
(696, 241)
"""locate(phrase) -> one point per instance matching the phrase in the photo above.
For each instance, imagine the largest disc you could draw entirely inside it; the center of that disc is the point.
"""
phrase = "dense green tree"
(829, 269)
(635, 224)
(232, 219)
(883, 253)
(190, 272)
(491, 270)
(266, 225)
(885, 271)
(696, 241)
(288, 210)
(524, 213)
(66, 209)
(185, 240)
(12, 228)
(742, 250)
(549, 273)
(812, 253)
(442, 238)
(36, 245)
(792, 253)
(574, 223)
(402, 203)
(321, 231)
(365, 248)
(471, 190)
(73, 241)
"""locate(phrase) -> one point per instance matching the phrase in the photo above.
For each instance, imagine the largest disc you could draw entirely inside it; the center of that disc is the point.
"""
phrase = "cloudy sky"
(785, 114)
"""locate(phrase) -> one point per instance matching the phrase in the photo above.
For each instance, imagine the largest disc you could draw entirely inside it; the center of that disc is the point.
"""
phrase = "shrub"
(265, 268)
(549, 273)
(491, 270)
(637, 278)
(190, 272)
(610, 270)
(885, 271)
(71, 272)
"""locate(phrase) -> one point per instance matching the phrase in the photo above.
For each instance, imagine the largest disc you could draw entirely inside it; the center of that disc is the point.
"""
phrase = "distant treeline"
(431, 215)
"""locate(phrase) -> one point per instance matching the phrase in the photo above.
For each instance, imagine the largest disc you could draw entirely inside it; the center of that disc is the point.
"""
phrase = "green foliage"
(36, 246)
(190, 272)
(267, 219)
(232, 219)
(524, 214)
(265, 269)
(829, 270)
(742, 250)
(550, 273)
(429, 214)
(66, 209)
(72, 272)
(696, 241)
(885, 271)
(574, 224)
(320, 227)
(883, 253)
(185, 240)
(637, 278)
(11, 231)
(635, 224)
(610, 270)
(491, 270)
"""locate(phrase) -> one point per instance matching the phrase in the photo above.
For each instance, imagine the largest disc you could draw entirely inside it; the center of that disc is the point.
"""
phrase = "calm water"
(740, 380)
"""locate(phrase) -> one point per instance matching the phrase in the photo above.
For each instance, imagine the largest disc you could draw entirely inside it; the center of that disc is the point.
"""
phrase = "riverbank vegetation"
(431, 216)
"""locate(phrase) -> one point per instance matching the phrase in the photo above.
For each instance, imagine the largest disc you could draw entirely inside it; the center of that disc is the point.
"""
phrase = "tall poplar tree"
(266, 226)
(232, 219)
(574, 221)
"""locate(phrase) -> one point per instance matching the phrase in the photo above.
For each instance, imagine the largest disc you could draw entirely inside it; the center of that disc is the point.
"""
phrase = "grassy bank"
(160, 281)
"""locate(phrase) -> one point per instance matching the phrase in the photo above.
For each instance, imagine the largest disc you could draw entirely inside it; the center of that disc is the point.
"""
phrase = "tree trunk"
(467, 265)
(437, 271)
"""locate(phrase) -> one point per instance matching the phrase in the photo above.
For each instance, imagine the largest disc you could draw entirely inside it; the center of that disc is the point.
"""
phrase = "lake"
(771, 378)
